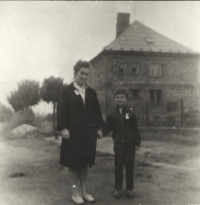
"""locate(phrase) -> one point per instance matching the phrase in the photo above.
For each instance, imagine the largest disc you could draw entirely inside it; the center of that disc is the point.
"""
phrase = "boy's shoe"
(129, 193)
(118, 194)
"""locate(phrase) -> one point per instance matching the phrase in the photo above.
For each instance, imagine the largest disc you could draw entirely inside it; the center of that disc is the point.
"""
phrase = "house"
(152, 67)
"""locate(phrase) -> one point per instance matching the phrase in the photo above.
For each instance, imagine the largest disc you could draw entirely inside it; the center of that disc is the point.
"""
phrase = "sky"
(43, 39)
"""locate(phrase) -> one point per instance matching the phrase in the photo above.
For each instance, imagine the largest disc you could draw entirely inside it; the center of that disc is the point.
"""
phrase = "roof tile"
(139, 37)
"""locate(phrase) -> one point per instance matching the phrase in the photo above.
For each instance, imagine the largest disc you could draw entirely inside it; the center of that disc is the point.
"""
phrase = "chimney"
(123, 20)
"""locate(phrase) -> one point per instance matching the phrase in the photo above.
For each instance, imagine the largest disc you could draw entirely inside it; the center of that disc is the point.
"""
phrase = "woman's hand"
(100, 134)
(137, 148)
(65, 134)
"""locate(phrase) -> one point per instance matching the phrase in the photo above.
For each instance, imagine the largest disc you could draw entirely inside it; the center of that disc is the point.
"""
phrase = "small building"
(152, 67)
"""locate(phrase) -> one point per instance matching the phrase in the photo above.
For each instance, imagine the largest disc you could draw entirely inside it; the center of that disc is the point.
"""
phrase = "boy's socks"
(129, 193)
(118, 194)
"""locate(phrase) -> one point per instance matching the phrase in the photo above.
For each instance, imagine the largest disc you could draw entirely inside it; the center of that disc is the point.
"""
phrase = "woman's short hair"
(80, 64)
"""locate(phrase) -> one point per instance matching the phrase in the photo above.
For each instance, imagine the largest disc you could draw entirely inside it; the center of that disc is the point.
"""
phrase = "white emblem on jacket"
(76, 91)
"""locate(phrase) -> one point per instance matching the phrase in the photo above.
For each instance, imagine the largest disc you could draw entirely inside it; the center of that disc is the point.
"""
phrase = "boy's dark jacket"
(124, 126)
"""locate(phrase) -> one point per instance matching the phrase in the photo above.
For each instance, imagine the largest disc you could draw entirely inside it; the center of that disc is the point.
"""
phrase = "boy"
(126, 137)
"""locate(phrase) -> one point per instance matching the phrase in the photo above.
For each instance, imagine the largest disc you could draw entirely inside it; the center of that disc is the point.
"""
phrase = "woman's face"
(82, 75)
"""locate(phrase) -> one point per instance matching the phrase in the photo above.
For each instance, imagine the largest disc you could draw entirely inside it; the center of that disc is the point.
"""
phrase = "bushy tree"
(49, 92)
(27, 95)
(6, 113)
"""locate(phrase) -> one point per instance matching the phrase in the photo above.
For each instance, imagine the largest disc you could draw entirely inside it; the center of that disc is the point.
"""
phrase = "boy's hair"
(121, 91)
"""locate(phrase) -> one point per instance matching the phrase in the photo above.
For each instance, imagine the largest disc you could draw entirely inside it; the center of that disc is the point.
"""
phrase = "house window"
(135, 93)
(135, 69)
(149, 40)
(155, 96)
(122, 69)
(155, 70)
(172, 106)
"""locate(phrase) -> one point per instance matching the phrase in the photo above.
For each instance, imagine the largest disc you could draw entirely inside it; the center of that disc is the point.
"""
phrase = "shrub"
(191, 118)
(188, 137)
(49, 117)
(18, 118)
(173, 119)
(38, 119)
(5, 113)
(44, 123)
(165, 120)
(27, 95)
(192, 121)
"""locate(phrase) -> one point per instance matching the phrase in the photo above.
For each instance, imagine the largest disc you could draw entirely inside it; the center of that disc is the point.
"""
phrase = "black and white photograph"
(100, 102)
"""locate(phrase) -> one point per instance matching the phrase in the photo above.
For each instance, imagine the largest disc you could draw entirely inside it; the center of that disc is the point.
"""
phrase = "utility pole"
(147, 114)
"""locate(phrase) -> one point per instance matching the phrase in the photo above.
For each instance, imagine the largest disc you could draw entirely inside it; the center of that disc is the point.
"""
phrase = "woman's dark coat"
(82, 121)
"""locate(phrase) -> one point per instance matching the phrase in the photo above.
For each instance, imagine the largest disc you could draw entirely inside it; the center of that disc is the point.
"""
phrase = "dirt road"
(165, 174)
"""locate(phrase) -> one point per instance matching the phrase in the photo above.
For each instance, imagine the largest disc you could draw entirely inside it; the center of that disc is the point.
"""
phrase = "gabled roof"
(138, 37)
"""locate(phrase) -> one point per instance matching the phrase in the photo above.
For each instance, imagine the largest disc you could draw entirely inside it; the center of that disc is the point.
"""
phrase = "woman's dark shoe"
(130, 193)
(118, 194)
(77, 199)
(89, 198)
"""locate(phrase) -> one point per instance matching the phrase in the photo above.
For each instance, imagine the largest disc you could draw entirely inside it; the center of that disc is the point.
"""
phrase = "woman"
(79, 119)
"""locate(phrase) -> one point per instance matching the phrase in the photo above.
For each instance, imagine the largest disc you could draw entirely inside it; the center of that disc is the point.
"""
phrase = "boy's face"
(120, 100)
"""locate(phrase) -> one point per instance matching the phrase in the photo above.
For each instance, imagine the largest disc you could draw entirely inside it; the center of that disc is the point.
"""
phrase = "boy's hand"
(100, 134)
(137, 148)
(65, 134)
